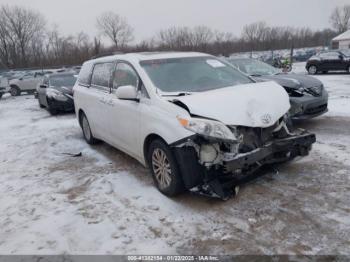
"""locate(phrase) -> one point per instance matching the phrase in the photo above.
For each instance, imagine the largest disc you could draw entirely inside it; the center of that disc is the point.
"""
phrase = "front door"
(124, 115)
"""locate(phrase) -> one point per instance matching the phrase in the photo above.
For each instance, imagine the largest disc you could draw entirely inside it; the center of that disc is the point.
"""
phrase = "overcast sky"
(149, 16)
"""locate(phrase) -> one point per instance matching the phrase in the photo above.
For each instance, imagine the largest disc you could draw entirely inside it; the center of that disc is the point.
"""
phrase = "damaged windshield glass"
(192, 74)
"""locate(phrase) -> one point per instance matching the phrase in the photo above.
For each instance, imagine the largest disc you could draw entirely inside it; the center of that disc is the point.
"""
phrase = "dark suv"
(333, 60)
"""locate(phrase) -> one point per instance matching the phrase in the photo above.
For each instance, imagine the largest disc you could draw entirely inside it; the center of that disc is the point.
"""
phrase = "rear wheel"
(164, 168)
(312, 70)
(14, 91)
(87, 131)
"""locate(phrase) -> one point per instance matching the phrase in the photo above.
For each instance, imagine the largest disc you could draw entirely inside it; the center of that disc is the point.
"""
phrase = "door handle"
(105, 101)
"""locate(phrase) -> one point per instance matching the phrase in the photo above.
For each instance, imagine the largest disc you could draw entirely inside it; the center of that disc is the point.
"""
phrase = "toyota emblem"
(266, 119)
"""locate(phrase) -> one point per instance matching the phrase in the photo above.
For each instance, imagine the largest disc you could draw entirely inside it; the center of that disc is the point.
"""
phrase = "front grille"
(316, 110)
(252, 138)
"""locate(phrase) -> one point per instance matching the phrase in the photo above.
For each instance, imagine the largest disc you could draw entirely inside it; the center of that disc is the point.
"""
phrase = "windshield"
(66, 81)
(192, 74)
(346, 52)
(254, 67)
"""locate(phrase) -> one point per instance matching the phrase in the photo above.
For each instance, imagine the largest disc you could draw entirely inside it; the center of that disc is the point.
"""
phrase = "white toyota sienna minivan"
(197, 122)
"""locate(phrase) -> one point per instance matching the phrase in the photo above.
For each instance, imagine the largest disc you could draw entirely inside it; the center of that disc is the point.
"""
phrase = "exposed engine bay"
(216, 167)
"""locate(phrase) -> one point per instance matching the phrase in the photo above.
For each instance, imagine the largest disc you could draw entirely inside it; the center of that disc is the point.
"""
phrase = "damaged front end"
(215, 167)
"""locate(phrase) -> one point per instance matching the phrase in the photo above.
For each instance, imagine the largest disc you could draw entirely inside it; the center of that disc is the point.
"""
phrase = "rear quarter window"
(84, 77)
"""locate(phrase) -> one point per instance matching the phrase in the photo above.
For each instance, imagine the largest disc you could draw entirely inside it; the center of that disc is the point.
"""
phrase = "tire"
(15, 91)
(348, 70)
(85, 126)
(312, 70)
(1, 95)
(165, 171)
(324, 72)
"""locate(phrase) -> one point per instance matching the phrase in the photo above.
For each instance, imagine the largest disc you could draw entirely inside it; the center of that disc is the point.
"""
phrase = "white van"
(197, 122)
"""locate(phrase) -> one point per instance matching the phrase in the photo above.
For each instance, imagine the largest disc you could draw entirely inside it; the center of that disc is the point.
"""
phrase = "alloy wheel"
(86, 128)
(161, 168)
(14, 91)
(312, 70)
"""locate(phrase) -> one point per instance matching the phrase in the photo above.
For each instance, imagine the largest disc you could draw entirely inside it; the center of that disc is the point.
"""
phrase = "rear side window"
(102, 74)
(330, 55)
(85, 74)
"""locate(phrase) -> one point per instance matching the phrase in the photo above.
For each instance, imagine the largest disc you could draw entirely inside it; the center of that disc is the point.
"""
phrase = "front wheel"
(164, 168)
(14, 91)
(312, 70)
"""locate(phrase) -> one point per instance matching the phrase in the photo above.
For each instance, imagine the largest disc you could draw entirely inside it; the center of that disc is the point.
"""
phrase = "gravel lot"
(105, 203)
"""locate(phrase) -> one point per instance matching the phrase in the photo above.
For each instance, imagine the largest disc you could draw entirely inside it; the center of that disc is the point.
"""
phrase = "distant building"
(342, 41)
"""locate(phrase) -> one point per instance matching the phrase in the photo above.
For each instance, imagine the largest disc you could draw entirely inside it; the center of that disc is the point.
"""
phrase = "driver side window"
(125, 75)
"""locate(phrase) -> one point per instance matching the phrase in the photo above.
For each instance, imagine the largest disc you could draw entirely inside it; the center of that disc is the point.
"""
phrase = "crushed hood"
(251, 105)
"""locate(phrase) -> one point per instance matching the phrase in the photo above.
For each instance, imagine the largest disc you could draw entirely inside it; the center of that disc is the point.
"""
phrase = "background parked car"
(334, 60)
(307, 94)
(55, 92)
(25, 83)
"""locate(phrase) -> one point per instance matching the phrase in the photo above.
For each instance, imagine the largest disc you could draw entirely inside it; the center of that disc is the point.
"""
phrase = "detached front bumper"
(277, 151)
(220, 180)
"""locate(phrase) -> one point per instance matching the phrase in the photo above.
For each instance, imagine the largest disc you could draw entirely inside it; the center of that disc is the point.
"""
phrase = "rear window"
(85, 74)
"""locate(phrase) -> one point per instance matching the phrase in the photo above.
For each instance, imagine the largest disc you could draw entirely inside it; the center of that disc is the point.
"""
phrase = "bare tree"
(340, 18)
(116, 28)
(22, 26)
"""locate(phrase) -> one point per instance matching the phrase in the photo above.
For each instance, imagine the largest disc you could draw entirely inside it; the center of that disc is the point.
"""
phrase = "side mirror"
(20, 78)
(43, 86)
(127, 93)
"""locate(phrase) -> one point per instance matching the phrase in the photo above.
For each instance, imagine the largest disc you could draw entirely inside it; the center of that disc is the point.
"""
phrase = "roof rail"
(107, 54)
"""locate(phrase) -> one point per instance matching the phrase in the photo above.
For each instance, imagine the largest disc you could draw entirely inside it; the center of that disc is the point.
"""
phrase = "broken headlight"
(208, 128)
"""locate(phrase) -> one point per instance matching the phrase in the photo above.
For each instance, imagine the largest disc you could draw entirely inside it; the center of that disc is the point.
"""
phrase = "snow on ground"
(105, 203)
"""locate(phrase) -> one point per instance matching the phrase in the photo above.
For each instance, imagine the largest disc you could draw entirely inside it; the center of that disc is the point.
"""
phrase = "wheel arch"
(147, 142)
(14, 86)
(80, 115)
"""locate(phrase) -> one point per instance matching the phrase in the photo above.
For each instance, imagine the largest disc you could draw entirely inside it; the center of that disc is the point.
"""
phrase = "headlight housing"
(208, 128)
(55, 94)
